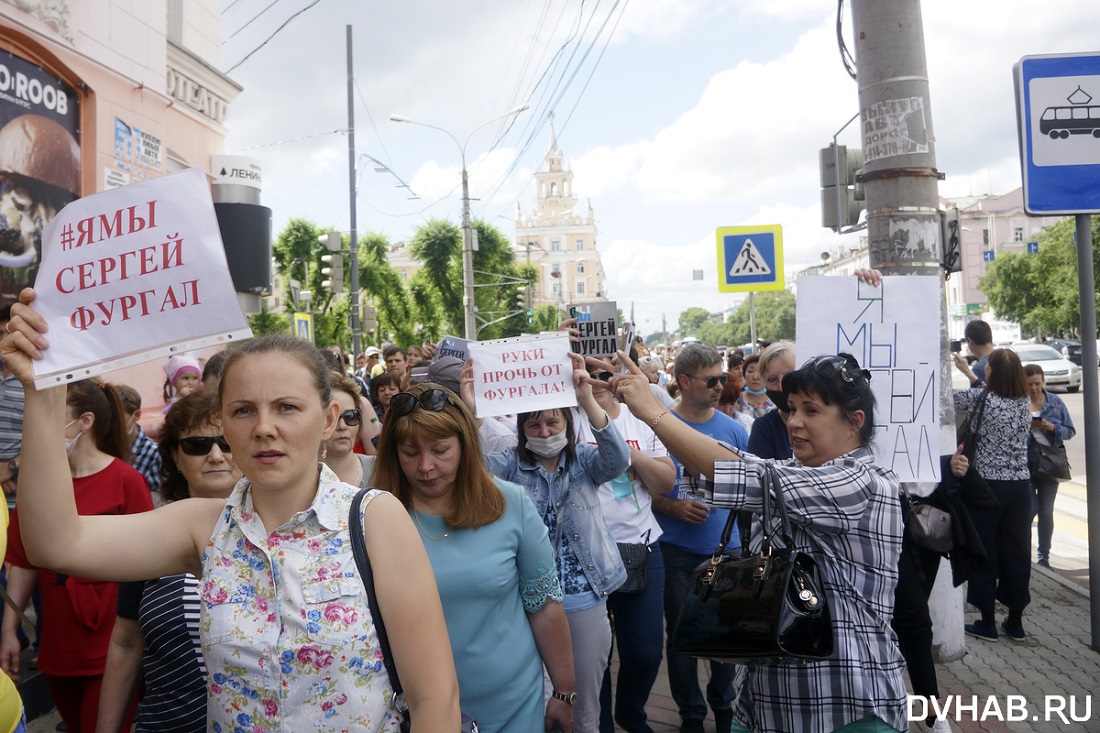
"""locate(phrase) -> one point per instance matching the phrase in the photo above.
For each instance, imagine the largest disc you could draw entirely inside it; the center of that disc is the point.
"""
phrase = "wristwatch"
(13, 466)
(569, 698)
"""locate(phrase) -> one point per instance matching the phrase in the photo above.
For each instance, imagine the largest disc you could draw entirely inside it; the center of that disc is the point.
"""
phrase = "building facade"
(558, 239)
(96, 94)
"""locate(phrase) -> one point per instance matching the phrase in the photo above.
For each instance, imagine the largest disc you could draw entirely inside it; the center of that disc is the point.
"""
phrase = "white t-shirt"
(629, 518)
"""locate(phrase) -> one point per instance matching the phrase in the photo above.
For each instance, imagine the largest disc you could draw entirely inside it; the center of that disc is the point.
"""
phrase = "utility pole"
(469, 309)
(900, 180)
(353, 255)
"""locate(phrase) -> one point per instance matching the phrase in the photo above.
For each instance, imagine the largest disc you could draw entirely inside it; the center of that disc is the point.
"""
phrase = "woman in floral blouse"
(286, 632)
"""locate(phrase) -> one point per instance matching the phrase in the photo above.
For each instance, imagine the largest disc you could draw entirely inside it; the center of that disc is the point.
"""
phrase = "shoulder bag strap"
(362, 562)
(784, 520)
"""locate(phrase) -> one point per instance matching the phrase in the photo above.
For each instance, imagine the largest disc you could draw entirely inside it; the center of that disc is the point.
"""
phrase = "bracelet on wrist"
(658, 418)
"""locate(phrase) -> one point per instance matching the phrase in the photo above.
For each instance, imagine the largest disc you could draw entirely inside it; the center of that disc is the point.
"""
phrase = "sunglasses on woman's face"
(200, 445)
(433, 400)
(351, 418)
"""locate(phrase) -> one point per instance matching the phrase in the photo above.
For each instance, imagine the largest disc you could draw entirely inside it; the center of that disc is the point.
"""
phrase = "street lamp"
(469, 311)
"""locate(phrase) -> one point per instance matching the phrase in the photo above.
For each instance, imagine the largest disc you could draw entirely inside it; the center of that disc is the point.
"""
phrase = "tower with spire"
(559, 238)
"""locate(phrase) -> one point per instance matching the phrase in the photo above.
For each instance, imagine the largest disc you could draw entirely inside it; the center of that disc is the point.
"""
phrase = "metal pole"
(353, 261)
(752, 321)
(467, 258)
(901, 186)
(1086, 285)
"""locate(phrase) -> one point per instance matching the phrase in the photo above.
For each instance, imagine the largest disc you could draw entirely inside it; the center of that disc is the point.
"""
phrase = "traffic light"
(841, 197)
(334, 273)
(331, 240)
(370, 318)
(530, 316)
(521, 296)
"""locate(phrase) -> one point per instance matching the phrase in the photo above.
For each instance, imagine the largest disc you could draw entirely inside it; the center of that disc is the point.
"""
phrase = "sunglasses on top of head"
(200, 445)
(830, 366)
(432, 400)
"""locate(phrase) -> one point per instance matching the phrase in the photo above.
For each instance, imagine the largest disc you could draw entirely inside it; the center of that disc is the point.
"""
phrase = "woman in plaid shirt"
(844, 512)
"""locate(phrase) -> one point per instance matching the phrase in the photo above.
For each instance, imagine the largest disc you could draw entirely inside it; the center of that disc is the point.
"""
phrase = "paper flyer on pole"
(894, 332)
(134, 274)
(522, 374)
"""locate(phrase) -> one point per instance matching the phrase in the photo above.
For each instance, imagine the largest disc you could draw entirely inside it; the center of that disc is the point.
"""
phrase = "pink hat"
(177, 365)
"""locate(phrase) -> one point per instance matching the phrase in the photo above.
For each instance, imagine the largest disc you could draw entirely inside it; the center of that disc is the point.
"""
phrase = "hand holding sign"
(24, 341)
(514, 375)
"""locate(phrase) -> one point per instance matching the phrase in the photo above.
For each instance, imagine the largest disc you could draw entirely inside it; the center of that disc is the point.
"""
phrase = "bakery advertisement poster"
(39, 165)
(134, 274)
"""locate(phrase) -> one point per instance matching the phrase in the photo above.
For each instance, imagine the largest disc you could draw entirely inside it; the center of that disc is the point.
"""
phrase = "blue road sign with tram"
(1058, 114)
(750, 258)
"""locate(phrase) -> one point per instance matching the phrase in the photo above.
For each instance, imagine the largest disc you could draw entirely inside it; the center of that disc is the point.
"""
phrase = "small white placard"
(134, 274)
(522, 374)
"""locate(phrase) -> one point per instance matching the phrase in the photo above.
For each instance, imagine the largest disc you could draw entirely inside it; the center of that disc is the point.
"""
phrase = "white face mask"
(547, 447)
(70, 443)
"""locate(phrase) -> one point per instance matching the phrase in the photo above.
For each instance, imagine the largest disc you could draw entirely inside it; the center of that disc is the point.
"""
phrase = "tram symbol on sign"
(749, 261)
(1078, 118)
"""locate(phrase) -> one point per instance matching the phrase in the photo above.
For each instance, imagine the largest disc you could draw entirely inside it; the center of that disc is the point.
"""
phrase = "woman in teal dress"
(492, 560)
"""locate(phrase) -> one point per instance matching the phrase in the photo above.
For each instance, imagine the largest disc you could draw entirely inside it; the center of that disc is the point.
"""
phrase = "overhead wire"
(268, 39)
(250, 22)
(845, 54)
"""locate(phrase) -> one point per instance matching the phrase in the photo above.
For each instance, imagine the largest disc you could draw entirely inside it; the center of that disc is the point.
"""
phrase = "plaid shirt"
(145, 459)
(845, 514)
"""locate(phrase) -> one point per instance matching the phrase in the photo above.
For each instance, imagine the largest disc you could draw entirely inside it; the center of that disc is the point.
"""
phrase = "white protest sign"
(893, 331)
(134, 274)
(522, 374)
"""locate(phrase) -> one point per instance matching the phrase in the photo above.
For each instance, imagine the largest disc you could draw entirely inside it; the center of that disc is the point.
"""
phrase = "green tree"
(438, 244)
(774, 318)
(691, 319)
(1041, 291)
(546, 319)
(265, 322)
(397, 316)
(297, 253)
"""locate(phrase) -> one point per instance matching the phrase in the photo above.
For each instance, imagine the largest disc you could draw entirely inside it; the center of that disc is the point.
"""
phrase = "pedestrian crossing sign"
(750, 258)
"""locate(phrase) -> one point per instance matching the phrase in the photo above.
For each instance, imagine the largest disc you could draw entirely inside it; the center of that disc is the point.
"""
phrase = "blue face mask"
(622, 486)
(753, 391)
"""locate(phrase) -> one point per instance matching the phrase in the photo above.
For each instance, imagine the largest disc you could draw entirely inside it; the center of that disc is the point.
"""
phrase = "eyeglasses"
(432, 400)
(200, 445)
(829, 366)
(712, 382)
(351, 418)
(602, 376)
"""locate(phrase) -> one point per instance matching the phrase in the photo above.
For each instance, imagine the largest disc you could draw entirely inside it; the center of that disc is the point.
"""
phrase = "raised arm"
(117, 547)
(409, 603)
(697, 452)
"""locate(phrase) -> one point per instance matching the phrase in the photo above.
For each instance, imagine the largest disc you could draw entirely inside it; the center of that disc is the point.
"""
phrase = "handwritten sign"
(134, 274)
(522, 374)
(893, 331)
(599, 327)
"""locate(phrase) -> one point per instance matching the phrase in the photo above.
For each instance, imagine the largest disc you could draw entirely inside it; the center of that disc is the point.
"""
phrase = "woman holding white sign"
(563, 479)
(285, 627)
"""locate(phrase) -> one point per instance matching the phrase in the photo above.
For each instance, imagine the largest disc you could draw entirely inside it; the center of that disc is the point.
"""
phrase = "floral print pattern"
(286, 632)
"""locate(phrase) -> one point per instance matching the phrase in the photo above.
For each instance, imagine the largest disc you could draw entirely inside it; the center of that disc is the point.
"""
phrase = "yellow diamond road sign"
(750, 258)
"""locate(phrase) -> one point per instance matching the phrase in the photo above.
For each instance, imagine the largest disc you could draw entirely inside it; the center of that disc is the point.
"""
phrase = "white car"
(1057, 370)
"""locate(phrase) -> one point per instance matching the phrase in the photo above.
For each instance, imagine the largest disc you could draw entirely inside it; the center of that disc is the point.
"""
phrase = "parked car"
(1068, 348)
(1057, 370)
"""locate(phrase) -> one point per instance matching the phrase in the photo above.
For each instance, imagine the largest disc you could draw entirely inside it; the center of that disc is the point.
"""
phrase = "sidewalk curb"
(1061, 580)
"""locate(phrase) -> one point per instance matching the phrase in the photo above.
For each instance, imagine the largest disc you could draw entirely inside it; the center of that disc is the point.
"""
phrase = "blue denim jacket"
(581, 517)
(1055, 411)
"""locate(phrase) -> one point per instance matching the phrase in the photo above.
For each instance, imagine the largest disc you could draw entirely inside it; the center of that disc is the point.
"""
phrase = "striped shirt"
(167, 610)
(845, 514)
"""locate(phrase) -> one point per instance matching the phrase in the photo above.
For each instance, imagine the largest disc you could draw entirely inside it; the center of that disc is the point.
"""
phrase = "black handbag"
(761, 607)
(928, 526)
(362, 562)
(1053, 461)
(634, 555)
(967, 434)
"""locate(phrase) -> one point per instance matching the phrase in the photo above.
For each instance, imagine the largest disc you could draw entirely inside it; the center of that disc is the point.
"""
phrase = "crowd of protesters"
(497, 544)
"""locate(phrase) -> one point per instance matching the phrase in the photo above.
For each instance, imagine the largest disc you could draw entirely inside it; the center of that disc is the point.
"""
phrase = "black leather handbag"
(759, 607)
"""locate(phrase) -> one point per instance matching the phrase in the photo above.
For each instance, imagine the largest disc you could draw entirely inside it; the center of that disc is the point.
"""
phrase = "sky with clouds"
(676, 117)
